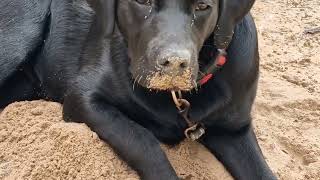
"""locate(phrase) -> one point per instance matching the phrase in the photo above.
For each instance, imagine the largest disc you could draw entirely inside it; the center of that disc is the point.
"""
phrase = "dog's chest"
(160, 115)
(161, 118)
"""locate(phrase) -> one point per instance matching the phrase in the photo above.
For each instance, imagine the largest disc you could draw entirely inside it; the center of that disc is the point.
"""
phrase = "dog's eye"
(144, 2)
(201, 6)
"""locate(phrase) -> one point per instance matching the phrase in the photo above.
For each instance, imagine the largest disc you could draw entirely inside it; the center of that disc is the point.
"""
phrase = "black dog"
(113, 64)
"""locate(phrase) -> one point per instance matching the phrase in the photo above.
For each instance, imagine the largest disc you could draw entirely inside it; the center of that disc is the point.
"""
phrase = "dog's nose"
(176, 61)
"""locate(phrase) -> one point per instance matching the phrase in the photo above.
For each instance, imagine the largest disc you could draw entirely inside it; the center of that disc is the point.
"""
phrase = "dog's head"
(164, 37)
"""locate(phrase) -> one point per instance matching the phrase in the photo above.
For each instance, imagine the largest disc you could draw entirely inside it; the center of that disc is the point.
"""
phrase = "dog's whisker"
(140, 79)
(206, 45)
(202, 73)
(134, 83)
(195, 85)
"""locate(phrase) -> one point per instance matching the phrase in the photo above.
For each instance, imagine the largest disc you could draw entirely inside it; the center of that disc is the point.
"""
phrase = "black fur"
(73, 52)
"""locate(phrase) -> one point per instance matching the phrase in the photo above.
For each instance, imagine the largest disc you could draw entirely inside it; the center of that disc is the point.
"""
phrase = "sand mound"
(35, 143)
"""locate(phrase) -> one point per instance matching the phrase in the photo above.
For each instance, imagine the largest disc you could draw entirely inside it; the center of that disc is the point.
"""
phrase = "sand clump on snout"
(35, 143)
(161, 81)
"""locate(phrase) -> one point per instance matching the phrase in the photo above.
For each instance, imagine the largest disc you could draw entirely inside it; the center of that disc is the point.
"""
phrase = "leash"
(196, 130)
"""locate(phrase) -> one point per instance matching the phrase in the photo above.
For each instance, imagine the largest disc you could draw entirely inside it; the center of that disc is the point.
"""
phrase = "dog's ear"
(105, 15)
(230, 13)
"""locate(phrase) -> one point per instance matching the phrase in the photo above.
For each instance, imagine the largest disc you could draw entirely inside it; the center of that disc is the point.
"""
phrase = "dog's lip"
(144, 85)
(173, 88)
(170, 81)
(176, 89)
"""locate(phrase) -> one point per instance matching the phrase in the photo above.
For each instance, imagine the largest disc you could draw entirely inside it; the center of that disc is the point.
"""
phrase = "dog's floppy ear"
(105, 15)
(230, 13)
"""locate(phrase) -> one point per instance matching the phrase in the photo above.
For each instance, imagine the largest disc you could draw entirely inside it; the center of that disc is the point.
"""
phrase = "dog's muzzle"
(173, 73)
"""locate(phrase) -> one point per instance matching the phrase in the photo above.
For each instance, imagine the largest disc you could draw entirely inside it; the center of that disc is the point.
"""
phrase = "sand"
(287, 110)
(36, 144)
(166, 82)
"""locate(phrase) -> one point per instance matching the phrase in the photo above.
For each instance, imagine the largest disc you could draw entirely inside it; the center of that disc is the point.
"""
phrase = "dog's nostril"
(165, 63)
(183, 65)
(174, 63)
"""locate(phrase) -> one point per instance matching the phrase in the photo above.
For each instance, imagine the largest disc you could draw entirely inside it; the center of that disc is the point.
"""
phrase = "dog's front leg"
(240, 154)
(133, 143)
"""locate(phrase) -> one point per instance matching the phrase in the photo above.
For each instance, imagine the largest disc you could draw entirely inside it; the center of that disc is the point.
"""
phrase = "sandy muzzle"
(161, 81)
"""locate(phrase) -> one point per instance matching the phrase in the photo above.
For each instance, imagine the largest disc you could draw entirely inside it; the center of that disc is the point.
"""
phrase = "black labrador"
(140, 72)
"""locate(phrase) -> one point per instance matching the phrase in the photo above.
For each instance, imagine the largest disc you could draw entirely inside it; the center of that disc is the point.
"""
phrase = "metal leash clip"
(195, 130)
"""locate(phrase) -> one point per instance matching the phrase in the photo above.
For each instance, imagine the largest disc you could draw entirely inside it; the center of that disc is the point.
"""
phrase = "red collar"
(212, 67)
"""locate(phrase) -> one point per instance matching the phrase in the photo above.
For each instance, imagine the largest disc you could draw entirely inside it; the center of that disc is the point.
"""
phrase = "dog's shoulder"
(63, 51)
(21, 26)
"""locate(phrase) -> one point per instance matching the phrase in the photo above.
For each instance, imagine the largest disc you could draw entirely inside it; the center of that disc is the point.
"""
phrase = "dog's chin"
(164, 87)
(169, 88)
(166, 82)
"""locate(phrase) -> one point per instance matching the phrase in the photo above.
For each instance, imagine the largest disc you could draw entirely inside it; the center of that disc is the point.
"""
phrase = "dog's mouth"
(160, 81)
(169, 82)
